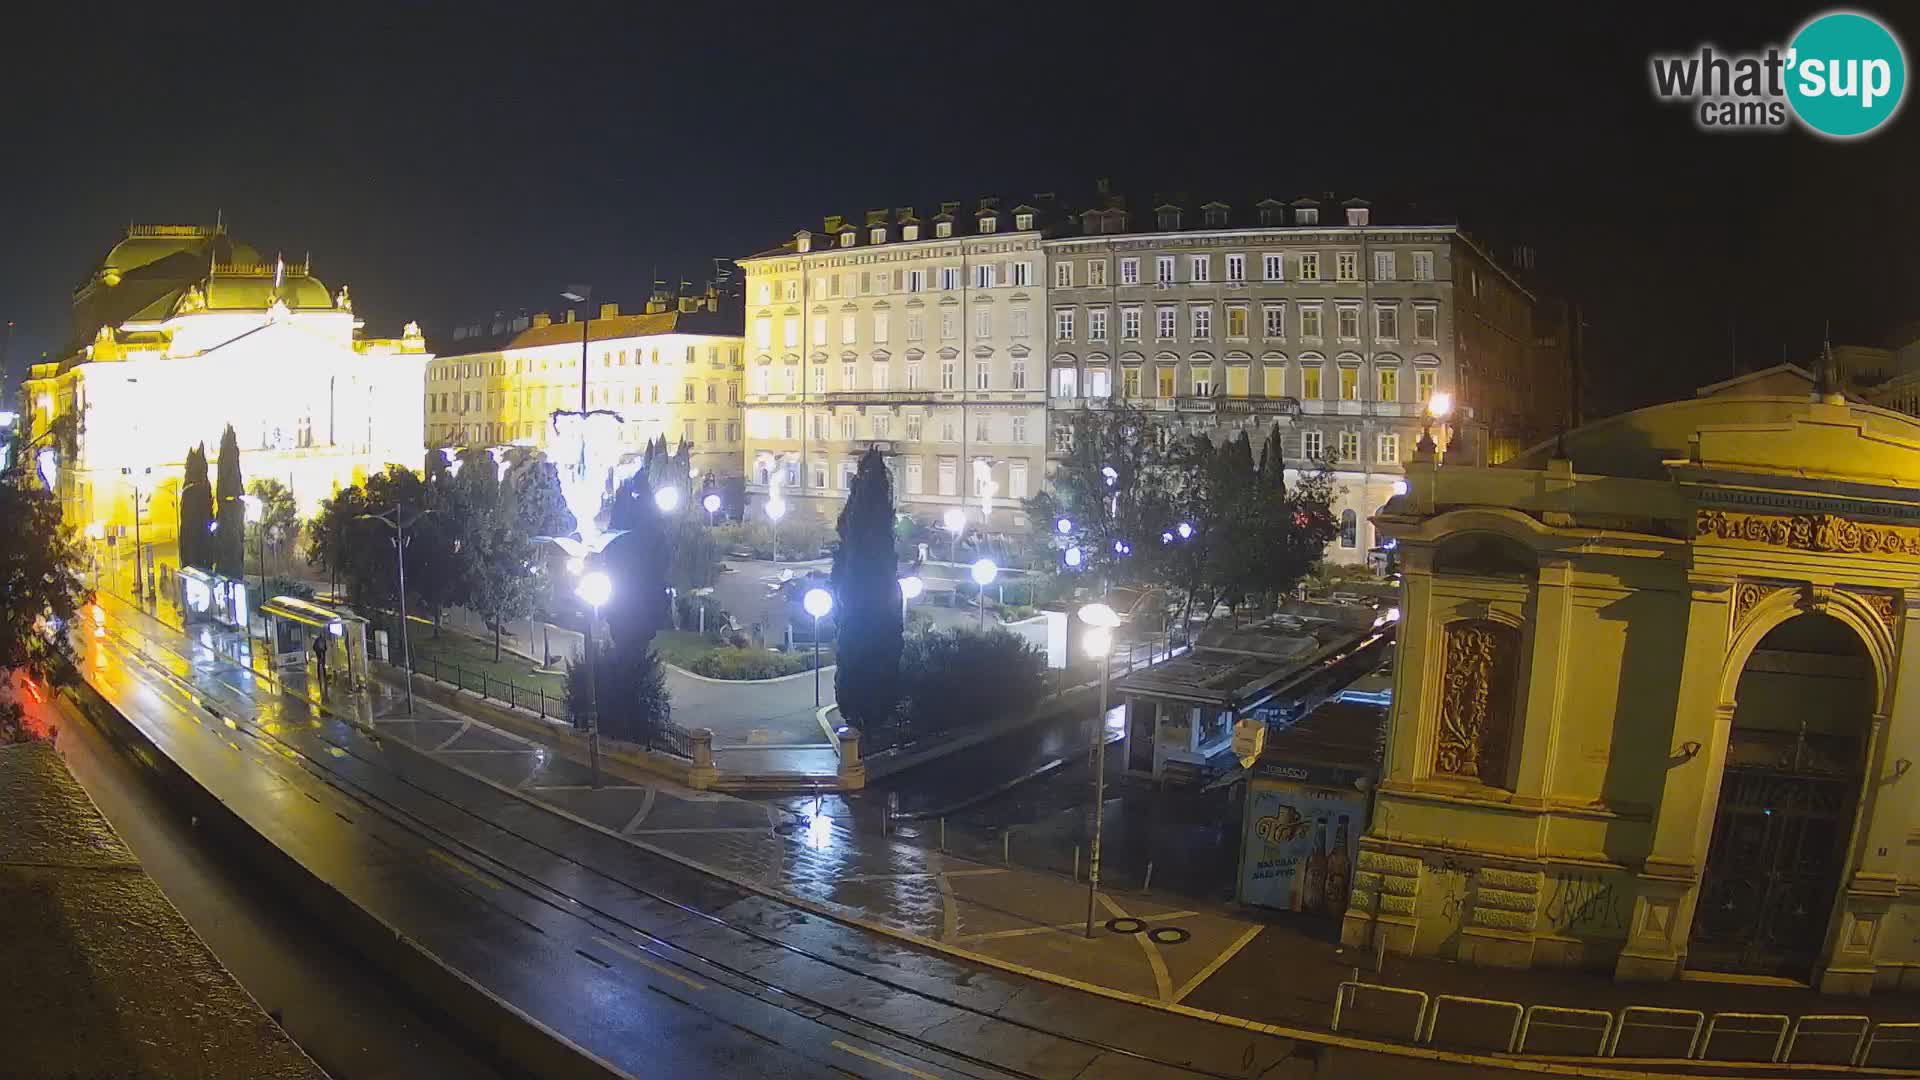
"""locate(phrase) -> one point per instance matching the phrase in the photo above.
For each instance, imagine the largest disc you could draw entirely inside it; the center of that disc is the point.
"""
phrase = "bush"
(731, 663)
(633, 702)
(285, 586)
(957, 678)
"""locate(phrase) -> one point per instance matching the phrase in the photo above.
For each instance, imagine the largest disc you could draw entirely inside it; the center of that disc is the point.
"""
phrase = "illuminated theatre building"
(182, 330)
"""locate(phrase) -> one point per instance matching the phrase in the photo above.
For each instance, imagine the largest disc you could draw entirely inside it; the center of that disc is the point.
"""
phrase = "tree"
(498, 573)
(867, 594)
(196, 512)
(1112, 512)
(279, 518)
(632, 698)
(955, 677)
(228, 548)
(638, 562)
(40, 587)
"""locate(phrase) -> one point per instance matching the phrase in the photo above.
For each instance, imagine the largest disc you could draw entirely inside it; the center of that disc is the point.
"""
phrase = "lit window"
(1202, 381)
(1310, 266)
(1237, 321)
(1023, 222)
(1310, 383)
(1349, 384)
(1349, 447)
(1389, 384)
(1307, 215)
(989, 223)
(1383, 268)
(1346, 266)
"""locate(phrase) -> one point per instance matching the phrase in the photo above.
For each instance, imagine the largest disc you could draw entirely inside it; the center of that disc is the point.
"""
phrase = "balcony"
(1238, 405)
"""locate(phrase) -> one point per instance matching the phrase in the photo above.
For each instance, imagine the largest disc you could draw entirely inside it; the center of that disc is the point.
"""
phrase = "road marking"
(1217, 963)
(1077, 925)
(463, 868)
(949, 909)
(879, 1060)
(641, 959)
(646, 805)
(479, 751)
(758, 830)
(1161, 980)
(464, 728)
(926, 874)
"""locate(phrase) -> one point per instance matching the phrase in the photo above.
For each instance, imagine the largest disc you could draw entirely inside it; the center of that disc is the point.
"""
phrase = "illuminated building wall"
(181, 331)
(673, 370)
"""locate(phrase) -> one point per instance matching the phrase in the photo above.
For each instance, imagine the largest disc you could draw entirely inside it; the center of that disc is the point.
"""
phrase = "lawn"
(688, 650)
(455, 657)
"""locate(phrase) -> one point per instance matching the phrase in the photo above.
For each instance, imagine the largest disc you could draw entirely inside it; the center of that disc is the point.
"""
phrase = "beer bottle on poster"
(1315, 890)
(1339, 870)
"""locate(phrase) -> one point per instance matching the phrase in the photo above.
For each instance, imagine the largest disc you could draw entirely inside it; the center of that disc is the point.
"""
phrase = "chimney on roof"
(608, 311)
(569, 317)
(833, 223)
(1103, 186)
(1044, 199)
(950, 207)
(989, 202)
(876, 217)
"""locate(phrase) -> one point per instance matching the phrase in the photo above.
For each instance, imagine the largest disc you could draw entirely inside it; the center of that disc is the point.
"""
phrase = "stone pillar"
(853, 771)
(1669, 880)
(703, 774)
(1546, 675)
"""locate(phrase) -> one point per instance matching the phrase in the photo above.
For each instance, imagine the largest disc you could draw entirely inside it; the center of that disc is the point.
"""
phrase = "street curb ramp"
(502, 1030)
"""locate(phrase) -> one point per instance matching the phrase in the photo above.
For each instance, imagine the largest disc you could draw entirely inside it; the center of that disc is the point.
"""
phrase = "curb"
(499, 1027)
(748, 682)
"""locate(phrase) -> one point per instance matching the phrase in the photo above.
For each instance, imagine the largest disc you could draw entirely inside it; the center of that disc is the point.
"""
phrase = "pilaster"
(1546, 680)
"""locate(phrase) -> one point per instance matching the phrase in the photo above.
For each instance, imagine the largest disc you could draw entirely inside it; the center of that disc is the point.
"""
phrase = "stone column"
(853, 771)
(1545, 682)
(1669, 880)
(703, 774)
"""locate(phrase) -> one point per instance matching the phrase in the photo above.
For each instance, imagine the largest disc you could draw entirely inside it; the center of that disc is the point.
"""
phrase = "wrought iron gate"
(1778, 852)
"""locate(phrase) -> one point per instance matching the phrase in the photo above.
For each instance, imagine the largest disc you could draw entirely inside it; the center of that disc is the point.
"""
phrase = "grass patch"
(457, 658)
(684, 649)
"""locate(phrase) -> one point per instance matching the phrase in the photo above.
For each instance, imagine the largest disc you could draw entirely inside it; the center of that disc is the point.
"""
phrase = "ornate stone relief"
(1476, 701)
(1884, 605)
(1809, 532)
(1747, 597)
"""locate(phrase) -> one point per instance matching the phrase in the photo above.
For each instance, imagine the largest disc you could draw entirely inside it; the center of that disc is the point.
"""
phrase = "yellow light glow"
(1440, 405)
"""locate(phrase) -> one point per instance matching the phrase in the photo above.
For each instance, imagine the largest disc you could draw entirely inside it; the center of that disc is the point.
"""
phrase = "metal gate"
(1778, 852)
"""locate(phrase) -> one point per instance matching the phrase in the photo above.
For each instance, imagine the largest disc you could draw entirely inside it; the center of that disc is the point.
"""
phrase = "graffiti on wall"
(1587, 903)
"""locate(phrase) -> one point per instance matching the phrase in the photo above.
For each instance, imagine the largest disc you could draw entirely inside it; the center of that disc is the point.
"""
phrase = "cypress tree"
(1273, 468)
(229, 548)
(196, 511)
(867, 599)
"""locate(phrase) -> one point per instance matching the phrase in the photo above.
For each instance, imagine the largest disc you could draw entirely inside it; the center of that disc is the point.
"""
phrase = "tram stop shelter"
(293, 624)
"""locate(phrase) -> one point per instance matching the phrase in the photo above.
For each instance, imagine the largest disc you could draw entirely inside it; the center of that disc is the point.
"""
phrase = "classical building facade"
(182, 330)
(921, 337)
(672, 370)
(1653, 708)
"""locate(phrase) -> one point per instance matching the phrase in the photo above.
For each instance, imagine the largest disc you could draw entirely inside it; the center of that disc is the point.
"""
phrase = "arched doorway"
(1788, 798)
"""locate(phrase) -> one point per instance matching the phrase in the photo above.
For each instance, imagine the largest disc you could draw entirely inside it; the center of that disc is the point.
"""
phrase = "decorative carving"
(1809, 532)
(1883, 605)
(1747, 597)
(1476, 701)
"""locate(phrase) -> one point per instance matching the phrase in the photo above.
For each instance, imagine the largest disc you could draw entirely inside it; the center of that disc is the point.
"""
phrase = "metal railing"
(534, 699)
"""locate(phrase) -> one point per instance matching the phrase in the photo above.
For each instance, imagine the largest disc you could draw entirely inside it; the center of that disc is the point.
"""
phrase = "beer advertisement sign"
(1299, 847)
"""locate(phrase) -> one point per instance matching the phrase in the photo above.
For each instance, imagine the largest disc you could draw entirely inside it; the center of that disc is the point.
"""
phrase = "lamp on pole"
(579, 294)
(596, 588)
(95, 533)
(400, 521)
(984, 572)
(134, 476)
(910, 589)
(711, 504)
(256, 512)
(666, 499)
(817, 602)
(1098, 642)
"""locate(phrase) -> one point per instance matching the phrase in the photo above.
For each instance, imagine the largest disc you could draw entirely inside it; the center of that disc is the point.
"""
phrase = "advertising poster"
(1299, 849)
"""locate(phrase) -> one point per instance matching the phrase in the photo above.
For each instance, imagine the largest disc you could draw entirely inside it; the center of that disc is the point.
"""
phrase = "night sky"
(450, 160)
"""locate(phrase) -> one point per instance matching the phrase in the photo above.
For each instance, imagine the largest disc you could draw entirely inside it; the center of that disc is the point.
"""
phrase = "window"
(692, 393)
(913, 431)
(1237, 268)
(733, 431)
(1310, 321)
(943, 229)
(1017, 479)
(1019, 319)
(793, 379)
(1202, 322)
(849, 329)
(1199, 268)
(786, 426)
(819, 331)
(913, 374)
(686, 431)
(982, 374)
(949, 277)
(909, 232)
(1066, 382)
(1426, 322)
(1237, 321)
(983, 276)
(793, 291)
(1383, 269)
(1423, 386)
(1272, 267)
(1164, 322)
(916, 326)
(882, 426)
(879, 235)
(1096, 272)
(1129, 271)
(819, 378)
(1097, 324)
(1023, 273)
(762, 377)
(1273, 321)
(1349, 527)
(916, 280)
(882, 376)
(653, 394)
(1347, 322)
(733, 393)
(949, 476)
(948, 433)
(1163, 380)
(1349, 446)
(1063, 324)
(766, 293)
(1130, 382)
(1310, 383)
(1018, 434)
(1163, 269)
(1313, 445)
(1389, 449)
(948, 379)
(1063, 439)
(873, 284)
(1099, 383)
(1349, 383)
(763, 333)
(1129, 324)
(848, 428)
(914, 479)
(989, 223)
(1310, 266)
(1389, 380)
(982, 433)
(947, 326)
(1423, 266)
(849, 377)
(983, 324)
(1063, 275)
(1023, 221)
(847, 470)
(1346, 266)
(1202, 382)
(880, 328)
(1273, 381)
(1306, 215)
(793, 474)
(819, 426)
(790, 334)
(1386, 322)
(1019, 378)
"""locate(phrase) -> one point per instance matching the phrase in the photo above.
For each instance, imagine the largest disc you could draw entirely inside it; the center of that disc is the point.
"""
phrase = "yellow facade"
(182, 331)
(672, 373)
(1652, 705)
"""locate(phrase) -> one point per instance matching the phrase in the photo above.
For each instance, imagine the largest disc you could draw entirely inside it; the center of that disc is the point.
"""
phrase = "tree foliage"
(954, 678)
(196, 512)
(867, 599)
(279, 518)
(632, 699)
(227, 546)
(40, 587)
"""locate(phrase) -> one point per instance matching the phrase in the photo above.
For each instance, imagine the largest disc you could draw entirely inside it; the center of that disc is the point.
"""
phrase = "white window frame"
(1130, 271)
(1273, 266)
(1163, 270)
(1200, 321)
(1063, 324)
(1384, 266)
(1273, 321)
(1096, 324)
(1236, 268)
(1346, 266)
(1313, 445)
(1130, 322)
(1063, 274)
(1309, 266)
(1199, 269)
(1423, 266)
(1386, 322)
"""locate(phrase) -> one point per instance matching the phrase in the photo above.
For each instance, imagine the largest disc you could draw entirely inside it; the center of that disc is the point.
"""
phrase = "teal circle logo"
(1847, 74)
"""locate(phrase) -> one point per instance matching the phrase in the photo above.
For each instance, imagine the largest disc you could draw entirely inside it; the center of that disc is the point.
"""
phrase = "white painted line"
(1161, 980)
(925, 874)
(646, 806)
(1217, 963)
(1078, 924)
(756, 830)
(642, 959)
(479, 751)
(879, 1060)
(448, 741)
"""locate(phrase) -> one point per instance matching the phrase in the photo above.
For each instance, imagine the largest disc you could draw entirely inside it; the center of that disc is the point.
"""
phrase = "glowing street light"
(667, 499)
(596, 589)
(1111, 474)
(1064, 526)
(1399, 487)
(955, 519)
(910, 589)
(817, 602)
(48, 462)
(1185, 529)
(1073, 557)
(1098, 643)
(776, 508)
(984, 571)
(1439, 407)
(711, 504)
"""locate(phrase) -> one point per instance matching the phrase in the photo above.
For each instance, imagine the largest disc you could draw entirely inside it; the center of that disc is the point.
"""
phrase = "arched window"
(1474, 735)
(1349, 529)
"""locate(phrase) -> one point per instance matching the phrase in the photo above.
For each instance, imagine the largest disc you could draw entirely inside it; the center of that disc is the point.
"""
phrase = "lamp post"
(910, 589)
(256, 511)
(596, 589)
(955, 520)
(984, 572)
(1098, 641)
(666, 499)
(95, 533)
(134, 476)
(579, 294)
(399, 522)
(817, 602)
(1439, 407)
(711, 504)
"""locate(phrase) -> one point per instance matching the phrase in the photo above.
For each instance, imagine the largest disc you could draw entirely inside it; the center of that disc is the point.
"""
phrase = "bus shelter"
(293, 625)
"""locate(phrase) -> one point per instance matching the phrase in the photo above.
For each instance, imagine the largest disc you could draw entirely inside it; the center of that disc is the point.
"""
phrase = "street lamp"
(134, 477)
(596, 589)
(711, 504)
(95, 533)
(1439, 407)
(399, 523)
(1074, 557)
(955, 519)
(817, 602)
(667, 499)
(1064, 526)
(984, 571)
(910, 589)
(256, 510)
(776, 508)
(1098, 642)
(1185, 529)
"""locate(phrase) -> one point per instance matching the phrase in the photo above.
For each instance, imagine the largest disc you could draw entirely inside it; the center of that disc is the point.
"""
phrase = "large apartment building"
(922, 337)
(673, 369)
(964, 343)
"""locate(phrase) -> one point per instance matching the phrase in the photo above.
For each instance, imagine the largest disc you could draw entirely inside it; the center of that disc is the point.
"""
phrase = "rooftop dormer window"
(1307, 215)
(879, 235)
(943, 229)
(1216, 217)
(989, 223)
(846, 238)
(1169, 218)
(1023, 222)
(909, 232)
(1358, 215)
(1272, 215)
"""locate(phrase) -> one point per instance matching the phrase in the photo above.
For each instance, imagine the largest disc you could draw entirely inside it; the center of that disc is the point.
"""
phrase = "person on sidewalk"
(320, 662)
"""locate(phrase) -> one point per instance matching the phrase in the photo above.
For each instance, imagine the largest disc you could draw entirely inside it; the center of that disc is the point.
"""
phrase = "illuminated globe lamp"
(776, 508)
(817, 602)
(910, 589)
(711, 504)
(1185, 529)
(1064, 526)
(983, 571)
(1074, 557)
(667, 499)
(1439, 407)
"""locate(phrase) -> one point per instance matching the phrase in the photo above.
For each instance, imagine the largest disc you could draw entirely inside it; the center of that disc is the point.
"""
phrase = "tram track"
(324, 767)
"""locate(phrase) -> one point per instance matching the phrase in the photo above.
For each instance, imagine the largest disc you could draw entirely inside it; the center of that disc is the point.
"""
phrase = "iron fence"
(534, 698)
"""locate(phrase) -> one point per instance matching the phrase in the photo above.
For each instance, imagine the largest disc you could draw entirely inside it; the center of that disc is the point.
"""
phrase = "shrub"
(731, 663)
(633, 702)
(957, 678)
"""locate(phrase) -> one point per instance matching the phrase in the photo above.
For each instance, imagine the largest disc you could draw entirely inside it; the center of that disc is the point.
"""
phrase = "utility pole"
(398, 521)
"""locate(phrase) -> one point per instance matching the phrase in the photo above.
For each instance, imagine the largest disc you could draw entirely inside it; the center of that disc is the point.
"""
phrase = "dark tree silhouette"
(867, 599)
